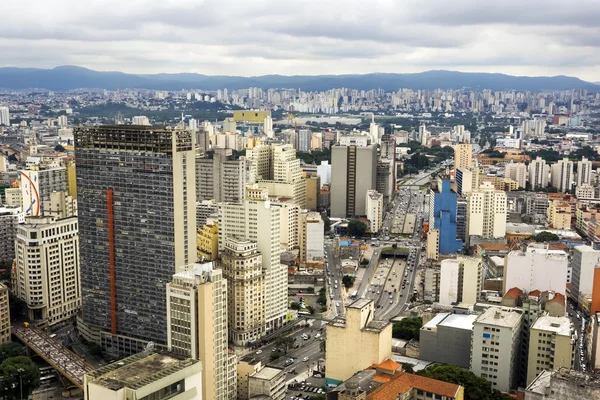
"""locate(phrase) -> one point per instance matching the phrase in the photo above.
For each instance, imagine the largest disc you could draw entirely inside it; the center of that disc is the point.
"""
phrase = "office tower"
(538, 173)
(461, 218)
(486, 212)
(140, 120)
(463, 155)
(536, 268)
(10, 218)
(311, 237)
(62, 120)
(551, 346)
(4, 116)
(385, 180)
(517, 172)
(353, 173)
(304, 139)
(423, 135)
(464, 181)
(461, 280)
(221, 178)
(495, 347)
(193, 125)
(4, 315)
(202, 141)
(197, 326)
(324, 173)
(128, 251)
(268, 126)
(374, 205)
(228, 140)
(559, 214)
(47, 272)
(13, 197)
(242, 267)
(259, 222)
(442, 217)
(36, 186)
(583, 262)
(562, 175)
(229, 125)
(584, 172)
(388, 147)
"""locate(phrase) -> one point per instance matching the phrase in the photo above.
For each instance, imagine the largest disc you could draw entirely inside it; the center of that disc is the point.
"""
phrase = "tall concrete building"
(220, 178)
(353, 173)
(304, 139)
(10, 218)
(242, 267)
(486, 212)
(517, 172)
(461, 280)
(374, 206)
(583, 261)
(311, 237)
(36, 186)
(259, 222)
(466, 180)
(559, 214)
(584, 172)
(562, 175)
(463, 155)
(4, 315)
(538, 173)
(4, 116)
(495, 347)
(128, 252)
(197, 326)
(47, 272)
(268, 126)
(385, 180)
(447, 339)
(551, 346)
(324, 172)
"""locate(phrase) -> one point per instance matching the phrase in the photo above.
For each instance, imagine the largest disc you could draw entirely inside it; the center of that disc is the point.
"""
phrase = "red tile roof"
(558, 298)
(513, 293)
(403, 382)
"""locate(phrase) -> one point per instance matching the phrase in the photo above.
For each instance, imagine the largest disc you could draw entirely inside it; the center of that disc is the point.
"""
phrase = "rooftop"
(433, 323)
(267, 373)
(499, 317)
(558, 325)
(403, 382)
(360, 303)
(459, 321)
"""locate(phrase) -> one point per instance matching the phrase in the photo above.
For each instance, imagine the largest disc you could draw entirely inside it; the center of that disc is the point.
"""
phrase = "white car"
(305, 359)
(259, 352)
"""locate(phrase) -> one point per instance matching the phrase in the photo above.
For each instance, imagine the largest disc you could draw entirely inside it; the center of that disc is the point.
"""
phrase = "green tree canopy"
(356, 228)
(348, 281)
(15, 370)
(11, 349)
(326, 223)
(545, 236)
(407, 329)
(284, 343)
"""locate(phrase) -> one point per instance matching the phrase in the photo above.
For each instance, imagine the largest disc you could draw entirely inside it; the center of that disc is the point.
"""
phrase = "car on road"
(259, 352)
(305, 359)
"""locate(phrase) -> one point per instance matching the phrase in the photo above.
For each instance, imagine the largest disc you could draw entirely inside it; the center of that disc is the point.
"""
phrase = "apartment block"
(517, 172)
(13, 197)
(207, 242)
(447, 339)
(10, 218)
(313, 187)
(220, 178)
(585, 191)
(562, 175)
(256, 381)
(538, 173)
(551, 346)
(461, 280)
(4, 314)
(62, 205)
(486, 212)
(311, 237)
(463, 155)
(584, 172)
(374, 206)
(37, 184)
(583, 262)
(559, 214)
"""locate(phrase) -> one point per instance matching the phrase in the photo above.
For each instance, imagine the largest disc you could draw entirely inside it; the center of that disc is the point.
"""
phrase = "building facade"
(220, 178)
(36, 186)
(562, 175)
(311, 237)
(10, 218)
(374, 206)
(442, 216)
(486, 212)
(5, 331)
(583, 262)
(463, 155)
(538, 173)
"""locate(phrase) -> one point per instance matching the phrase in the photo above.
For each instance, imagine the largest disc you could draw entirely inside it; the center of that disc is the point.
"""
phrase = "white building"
(36, 186)
(62, 120)
(536, 268)
(585, 191)
(538, 173)
(324, 173)
(311, 237)
(562, 175)
(10, 218)
(228, 140)
(4, 116)
(304, 140)
(47, 275)
(584, 172)
(140, 120)
(374, 207)
(583, 262)
(197, 326)
(517, 172)
(495, 347)
(486, 212)
(268, 126)
(461, 280)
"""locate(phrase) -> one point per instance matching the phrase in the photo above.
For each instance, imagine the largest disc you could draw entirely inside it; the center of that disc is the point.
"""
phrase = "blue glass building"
(444, 219)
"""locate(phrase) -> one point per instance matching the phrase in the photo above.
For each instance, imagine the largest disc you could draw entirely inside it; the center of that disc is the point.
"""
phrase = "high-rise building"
(385, 181)
(517, 172)
(13, 197)
(585, 191)
(311, 237)
(268, 126)
(259, 222)
(495, 347)
(140, 120)
(304, 140)
(220, 178)
(538, 173)
(202, 141)
(62, 120)
(584, 172)
(10, 218)
(353, 173)
(4, 116)
(584, 260)
(130, 252)
(551, 346)
(442, 217)
(62, 205)
(207, 241)
(324, 173)
(242, 267)
(463, 155)
(197, 326)
(36, 186)
(562, 175)
(313, 188)
(464, 181)
(4, 314)
(486, 212)
(461, 280)
(559, 214)
(228, 140)
(374, 206)
(47, 273)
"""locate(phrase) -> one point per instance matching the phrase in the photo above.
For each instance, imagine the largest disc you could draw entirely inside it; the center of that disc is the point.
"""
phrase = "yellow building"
(4, 315)
(550, 346)
(559, 215)
(358, 343)
(71, 179)
(313, 187)
(207, 241)
(251, 116)
(252, 142)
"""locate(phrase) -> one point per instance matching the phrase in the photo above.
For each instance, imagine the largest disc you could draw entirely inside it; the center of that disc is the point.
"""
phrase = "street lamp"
(20, 371)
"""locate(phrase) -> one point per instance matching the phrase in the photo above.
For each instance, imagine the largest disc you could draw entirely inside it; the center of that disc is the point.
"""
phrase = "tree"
(326, 223)
(16, 371)
(408, 367)
(311, 310)
(348, 281)
(59, 148)
(545, 236)
(11, 349)
(275, 355)
(323, 345)
(407, 329)
(284, 343)
(295, 305)
(322, 300)
(356, 228)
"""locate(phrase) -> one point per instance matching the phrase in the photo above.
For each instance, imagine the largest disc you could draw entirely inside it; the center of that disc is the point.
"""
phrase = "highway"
(334, 273)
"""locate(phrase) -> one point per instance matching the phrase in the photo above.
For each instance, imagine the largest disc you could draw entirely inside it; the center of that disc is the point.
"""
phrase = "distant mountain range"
(72, 77)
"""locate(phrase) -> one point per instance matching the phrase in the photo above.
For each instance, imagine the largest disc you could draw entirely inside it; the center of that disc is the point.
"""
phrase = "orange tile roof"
(389, 365)
(403, 382)
(513, 293)
(558, 298)
(493, 246)
(534, 293)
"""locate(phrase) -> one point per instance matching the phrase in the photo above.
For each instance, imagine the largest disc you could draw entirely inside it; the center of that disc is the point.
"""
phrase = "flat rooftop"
(459, 321)
(558, 325)
(360, 303)
(267, 373)
(496, 316)
(433, 323)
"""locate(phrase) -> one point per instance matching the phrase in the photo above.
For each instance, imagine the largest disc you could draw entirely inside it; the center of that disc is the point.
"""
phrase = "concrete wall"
(447, 345)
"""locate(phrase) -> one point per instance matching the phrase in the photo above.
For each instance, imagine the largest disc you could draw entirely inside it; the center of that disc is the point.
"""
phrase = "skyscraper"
(137, 213)
(463, 155)
(442, 217)
(486, 212)
(4, 116)
(538, 173)
(517, 172)
(562, 175)
(37, 184)
(221, 178)
(304, 139)
(584, 172)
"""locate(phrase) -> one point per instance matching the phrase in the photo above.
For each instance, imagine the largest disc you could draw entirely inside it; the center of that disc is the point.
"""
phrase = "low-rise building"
(564, 384)
(447, 339)
(461, 280)
(268, 381)
(403, 385)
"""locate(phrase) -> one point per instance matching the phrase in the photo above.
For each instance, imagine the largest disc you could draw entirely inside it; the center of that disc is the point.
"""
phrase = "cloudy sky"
(231, 37)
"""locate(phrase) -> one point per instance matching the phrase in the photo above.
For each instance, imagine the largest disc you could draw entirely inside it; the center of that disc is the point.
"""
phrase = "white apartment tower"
(562, 175)
(324, 172)
(495, 346)
(463, 155)
(259, 222)
(47, 276)
(374, 206)
(583, 261)
(311, 237)
(197, 326)
(461, 280)
(268, 126)
(517, 172)
(4, 116)
(538, 173)
(584, 172)
(486, 212)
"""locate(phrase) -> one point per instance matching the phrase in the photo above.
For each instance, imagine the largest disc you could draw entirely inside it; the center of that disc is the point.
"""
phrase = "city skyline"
(542, 38)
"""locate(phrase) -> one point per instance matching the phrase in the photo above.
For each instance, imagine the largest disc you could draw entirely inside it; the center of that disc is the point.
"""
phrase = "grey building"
(9, 219)
(137, 218)
(447, 339)
(304, 140)
(221, 177)
(353, 172)
(385, 180)
(461, 218)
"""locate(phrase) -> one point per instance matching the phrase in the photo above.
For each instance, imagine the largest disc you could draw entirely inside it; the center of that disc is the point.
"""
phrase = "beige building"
(13, 197)
(585, 191)
(146, 376)
(463, 155)
(562, 175)
(374, 206)
(486, 212)
(495, 347)
(62, 205)
(10, 218)
(311, 237)
(207, 242)
(517, 172)
(461, 280)
(433, 244)
(197, 326)
(37, 184)
(539, 172)
(242, 267)
(47, 275)
(559, 215)
(371, 342)
(288, 224)
(4, 315)
(260, 382)
(313, 187)
(584, 172)
(551, 346)
(221, 177)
